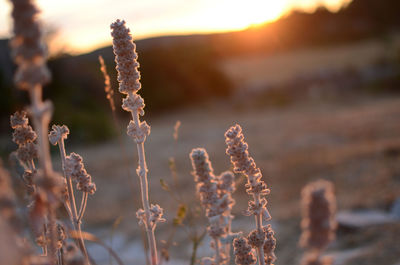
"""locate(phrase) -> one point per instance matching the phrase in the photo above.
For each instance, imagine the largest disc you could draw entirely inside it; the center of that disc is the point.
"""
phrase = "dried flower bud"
(75, 168)
(141, 215)
(125, 58)
(256, 238)
(58, 133)
(138, 134)
(27, 152)
(269, 245)
(156, 213)
(133, 103)
(226, 182)
(85, 184)
(318, 224)
(23, 135)
(203, 170)
(18, 119)
(243, 252)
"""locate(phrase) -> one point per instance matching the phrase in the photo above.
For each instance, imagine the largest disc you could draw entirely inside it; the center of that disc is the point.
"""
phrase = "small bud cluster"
(58, 133)
(75, 168)
(269, 245)
(318, 224)
(244, 253)
(156, 213)
(216, 197)
(24, 137)
(29, 51)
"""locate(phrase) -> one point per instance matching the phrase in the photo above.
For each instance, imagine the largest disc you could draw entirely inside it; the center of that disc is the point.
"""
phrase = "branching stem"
(142, 173)
(72, 210)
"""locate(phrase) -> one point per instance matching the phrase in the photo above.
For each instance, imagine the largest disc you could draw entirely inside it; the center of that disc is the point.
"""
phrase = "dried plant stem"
(259, 226)
(142, 173)
(41, 121)
(83, 206)
(72, 210)
(196, 242)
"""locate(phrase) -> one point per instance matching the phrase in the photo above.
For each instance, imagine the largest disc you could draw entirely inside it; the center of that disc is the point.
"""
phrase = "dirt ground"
(355, 144)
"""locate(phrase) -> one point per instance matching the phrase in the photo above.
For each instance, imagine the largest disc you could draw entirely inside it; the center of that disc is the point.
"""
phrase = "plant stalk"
(71, 197)
(142, 173)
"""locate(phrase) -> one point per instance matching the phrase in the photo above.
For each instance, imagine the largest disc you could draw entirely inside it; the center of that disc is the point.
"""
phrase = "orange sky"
(84, 24)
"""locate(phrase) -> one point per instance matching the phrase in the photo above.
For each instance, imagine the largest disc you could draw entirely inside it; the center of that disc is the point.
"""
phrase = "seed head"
(125, 58)
(318, 224)
(28, 49)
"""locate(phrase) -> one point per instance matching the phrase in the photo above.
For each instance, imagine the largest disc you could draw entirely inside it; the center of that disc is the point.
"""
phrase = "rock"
(395, 210)
(365, 218)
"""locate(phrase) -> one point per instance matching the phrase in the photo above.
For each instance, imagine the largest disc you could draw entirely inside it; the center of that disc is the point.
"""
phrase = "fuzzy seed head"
(256, 238)
(243, 252)
(269, 245)
(125, 58)
(18, 119)
(28, 49)
(318, 206)
(27, 152)
(203, 171)
(23, 135)
(75, 168)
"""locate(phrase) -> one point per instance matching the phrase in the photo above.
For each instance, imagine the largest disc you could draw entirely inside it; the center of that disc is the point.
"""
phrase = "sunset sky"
(83, 25)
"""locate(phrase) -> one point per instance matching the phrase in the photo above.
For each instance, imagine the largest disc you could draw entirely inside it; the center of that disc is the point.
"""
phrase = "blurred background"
(314, 84)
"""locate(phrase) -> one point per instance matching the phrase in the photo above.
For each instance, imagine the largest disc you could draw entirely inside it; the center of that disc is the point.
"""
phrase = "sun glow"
(82, 31)
(237, 14)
